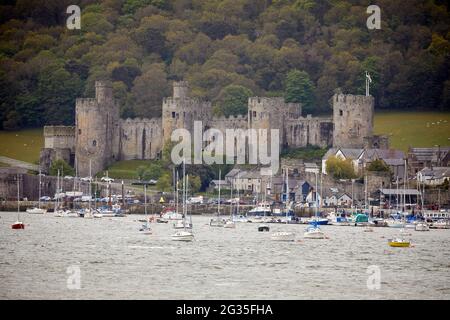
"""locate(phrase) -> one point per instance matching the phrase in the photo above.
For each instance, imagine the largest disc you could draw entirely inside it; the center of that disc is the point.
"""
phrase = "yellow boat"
(399, 243)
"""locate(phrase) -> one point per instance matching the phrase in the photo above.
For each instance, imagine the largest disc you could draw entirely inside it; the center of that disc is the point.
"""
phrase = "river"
(107, 258)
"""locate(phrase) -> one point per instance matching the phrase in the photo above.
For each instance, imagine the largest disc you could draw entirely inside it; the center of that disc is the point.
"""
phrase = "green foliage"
(299, 88)
(339, 168)
(378, 165)
(302, 49)
(233, 100)
(164, 183)
(153, 170)
(64, 168)
(305, 153)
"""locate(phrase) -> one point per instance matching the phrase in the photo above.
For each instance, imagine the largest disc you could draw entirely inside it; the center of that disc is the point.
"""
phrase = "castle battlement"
(59, 131)
(86, 102)
(239, 117)
(142, 120)
(350, 98)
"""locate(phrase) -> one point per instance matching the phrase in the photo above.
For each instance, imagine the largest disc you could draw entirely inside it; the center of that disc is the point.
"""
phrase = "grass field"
(23, 145)
(124, 169)
(417, 129)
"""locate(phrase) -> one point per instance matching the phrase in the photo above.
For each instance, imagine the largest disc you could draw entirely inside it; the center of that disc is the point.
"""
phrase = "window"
(254, 114)
(79, 131)
(173, 115)
(341, 113)
(94, 143)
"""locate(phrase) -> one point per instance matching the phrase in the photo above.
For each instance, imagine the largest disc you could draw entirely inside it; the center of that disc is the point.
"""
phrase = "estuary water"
(110, 259)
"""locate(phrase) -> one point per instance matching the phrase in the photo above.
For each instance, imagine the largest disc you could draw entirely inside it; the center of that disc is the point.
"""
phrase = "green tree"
(164, 183)
(340, 168)
(233, 100)
(378, 165)
(63, 167)
(299, 88)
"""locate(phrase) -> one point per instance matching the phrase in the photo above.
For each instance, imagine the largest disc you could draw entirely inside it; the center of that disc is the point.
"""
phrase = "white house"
(433, 176)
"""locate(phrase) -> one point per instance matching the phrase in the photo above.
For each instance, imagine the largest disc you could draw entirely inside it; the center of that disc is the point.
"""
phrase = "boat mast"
(39, 199)
(185, 215)
(238, 197)
(176, 190)
(231, 202)
(90, 182)
(18, 197)
(218, 202)
(287, 194)
(316, 199)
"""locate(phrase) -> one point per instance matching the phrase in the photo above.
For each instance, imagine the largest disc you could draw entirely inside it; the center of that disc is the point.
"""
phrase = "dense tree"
(301, 49)
(339, 168)
(64, 168)
(233, 100)
(299, 88)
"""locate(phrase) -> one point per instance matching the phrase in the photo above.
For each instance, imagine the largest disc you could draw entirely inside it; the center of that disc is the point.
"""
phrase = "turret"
(353, 120)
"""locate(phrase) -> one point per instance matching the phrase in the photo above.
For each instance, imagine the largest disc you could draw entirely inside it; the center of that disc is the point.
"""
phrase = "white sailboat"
(185, 234)
(230, 224)
(145, 229)
(422, 225)
(313, 231)
(38, 210)
(283, 235)
(182, 223)
(217, 222)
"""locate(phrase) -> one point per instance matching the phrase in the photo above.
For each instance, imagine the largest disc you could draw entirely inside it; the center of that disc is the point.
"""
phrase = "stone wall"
(140, 139)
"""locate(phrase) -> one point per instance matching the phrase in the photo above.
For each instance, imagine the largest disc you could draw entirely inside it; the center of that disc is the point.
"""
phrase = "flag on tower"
(368, 77)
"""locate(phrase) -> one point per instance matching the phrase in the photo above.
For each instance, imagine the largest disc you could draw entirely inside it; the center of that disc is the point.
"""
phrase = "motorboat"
(320, 222)
(422, 226)
(263, 227)
(183, 236)
(314, 232)
(36, 211)
(399, 242)
(18, 225)
(172, 215)
(229, 224)
(182, 224)
(217, 222)
(283, 236)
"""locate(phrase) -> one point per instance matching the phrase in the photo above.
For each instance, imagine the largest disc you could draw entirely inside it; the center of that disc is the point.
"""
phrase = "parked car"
(86, 179)
(45, 198)
(107, 179)
(68, 177)
(152, 181)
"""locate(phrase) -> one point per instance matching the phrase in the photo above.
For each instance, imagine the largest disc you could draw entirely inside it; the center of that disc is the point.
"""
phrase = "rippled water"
(116, 262)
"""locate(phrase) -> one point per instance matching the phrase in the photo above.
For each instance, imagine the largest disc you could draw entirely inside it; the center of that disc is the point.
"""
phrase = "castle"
(100, 137)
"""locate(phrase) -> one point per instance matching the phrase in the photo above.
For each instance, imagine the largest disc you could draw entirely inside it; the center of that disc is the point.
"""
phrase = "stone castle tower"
(353, 120)
(272, 113)
(97, 133)
(180, 111)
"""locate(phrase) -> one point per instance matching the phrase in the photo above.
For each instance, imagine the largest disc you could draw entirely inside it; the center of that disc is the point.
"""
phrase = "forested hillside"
(227, 50)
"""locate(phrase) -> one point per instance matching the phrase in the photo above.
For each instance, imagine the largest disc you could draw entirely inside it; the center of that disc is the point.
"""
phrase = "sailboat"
(180, 224)
(145, 229)
(217, 222)
(400, 241)
(185, 234)
(230, 222)
(18, 224)
(283, 235)
(38, 210)
(313, 231)
(422, 225)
